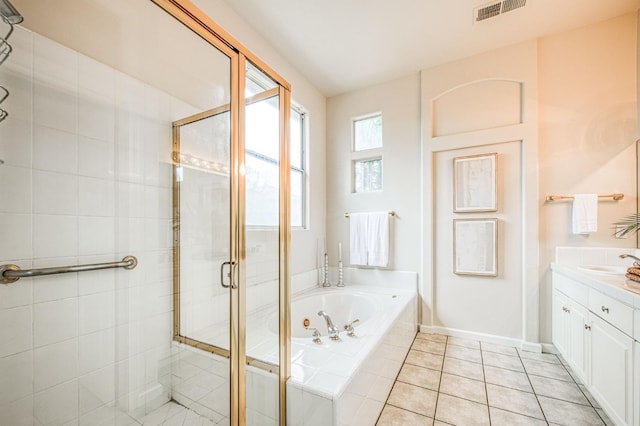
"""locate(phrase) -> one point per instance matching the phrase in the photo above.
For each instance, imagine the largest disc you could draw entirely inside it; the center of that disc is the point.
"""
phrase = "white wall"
(587, 133)
(399, 103)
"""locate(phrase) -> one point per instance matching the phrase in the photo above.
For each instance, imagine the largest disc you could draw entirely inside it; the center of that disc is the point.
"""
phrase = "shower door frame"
(201, 24)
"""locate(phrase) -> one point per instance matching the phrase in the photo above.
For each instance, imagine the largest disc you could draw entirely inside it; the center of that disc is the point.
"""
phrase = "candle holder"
(340, 278)
(326, 282)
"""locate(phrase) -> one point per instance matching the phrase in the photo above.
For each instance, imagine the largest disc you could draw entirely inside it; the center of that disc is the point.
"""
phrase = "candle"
(340, 252)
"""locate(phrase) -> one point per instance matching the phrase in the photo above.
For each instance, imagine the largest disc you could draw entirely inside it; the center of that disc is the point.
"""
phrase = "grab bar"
(12, 273)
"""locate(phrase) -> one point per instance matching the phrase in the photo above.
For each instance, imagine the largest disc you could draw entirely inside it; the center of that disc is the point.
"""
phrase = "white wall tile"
(55, 106)
(17, 376)
(15, 330)
(98, 281)
(96, 158)
(54, 150)
(97, 389)
(16, 236)
(18, 413)
(20, 101)
(96, 77)
(55, 193)
(55, 287)
(96, 115)
(55, 364)
(96, 197)
(15, 191)
(96, 235)
(131, 200)
(55, 321)
(97, 350)
(55, 236)
(21, 294)
(57, 405)
(54, 63)
(97, 312)
(15, 142)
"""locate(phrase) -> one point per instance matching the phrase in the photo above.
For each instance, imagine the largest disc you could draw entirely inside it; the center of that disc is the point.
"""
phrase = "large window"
(262, 161)
(367, 154)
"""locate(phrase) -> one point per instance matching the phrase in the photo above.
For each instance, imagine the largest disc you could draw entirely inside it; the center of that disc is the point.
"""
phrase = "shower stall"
(144, 219)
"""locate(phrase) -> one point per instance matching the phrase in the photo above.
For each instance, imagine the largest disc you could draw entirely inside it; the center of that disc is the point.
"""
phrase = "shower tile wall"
(87, 178)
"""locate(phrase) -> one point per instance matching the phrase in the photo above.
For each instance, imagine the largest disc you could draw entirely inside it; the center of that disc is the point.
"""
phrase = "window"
(262, 165)
(367, 154)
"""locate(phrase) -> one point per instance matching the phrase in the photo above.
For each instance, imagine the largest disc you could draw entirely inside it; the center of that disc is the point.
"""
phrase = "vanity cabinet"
(611, 373)
(594, 334)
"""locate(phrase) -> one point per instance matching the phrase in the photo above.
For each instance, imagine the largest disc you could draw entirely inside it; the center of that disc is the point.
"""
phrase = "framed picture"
(474, 183)
(475, 247)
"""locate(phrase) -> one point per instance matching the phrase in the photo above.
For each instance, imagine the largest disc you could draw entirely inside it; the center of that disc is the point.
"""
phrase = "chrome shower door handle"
(230, 275)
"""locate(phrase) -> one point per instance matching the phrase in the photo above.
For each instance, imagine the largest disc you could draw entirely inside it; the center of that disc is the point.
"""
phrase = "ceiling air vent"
(496, 8)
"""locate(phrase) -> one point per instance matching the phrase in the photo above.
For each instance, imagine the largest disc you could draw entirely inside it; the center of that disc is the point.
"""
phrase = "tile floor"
(451, 381)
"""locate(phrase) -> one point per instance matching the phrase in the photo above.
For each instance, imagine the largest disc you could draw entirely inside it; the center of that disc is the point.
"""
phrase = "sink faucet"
(636, 261)
(331, 328)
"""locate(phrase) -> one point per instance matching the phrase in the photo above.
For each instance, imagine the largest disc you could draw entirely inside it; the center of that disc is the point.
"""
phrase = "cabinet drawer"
(616, 313)
(576, 291)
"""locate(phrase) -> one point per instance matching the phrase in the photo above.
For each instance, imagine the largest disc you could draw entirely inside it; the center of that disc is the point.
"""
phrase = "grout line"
(567, 368)
(532, 388)
(484, 379)
(444, 356)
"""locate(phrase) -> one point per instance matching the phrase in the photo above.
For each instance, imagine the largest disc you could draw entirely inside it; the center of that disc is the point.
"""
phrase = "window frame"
(367, 154)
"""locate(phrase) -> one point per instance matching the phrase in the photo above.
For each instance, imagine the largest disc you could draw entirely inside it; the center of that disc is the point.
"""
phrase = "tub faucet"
(636, 261)
(331, 328)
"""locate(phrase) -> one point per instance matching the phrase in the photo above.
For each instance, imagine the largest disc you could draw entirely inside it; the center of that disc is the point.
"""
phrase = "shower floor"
(172, 414)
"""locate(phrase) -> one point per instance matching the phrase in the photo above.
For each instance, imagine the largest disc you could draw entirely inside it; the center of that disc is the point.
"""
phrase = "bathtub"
(347, 382)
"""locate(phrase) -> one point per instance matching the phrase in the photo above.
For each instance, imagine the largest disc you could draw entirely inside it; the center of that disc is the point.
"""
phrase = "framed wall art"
(475, 248)
(474, 183)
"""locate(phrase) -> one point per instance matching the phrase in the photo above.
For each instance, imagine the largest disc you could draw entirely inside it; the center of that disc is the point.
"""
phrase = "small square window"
(367, 133)
(367, 175)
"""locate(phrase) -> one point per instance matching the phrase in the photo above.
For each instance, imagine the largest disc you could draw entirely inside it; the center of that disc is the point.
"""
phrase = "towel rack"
(12, 273)
(391, 213)
(615, 197)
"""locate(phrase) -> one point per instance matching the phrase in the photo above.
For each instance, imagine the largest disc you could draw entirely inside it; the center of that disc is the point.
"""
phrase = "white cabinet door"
(611, 372)
(636, 384)
(578, 340)
(560, 323)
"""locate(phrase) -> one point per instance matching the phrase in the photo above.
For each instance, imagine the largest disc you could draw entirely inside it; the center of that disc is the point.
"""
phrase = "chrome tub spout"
(331, 328)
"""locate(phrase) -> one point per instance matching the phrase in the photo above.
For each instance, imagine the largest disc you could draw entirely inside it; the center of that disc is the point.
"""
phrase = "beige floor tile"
(393, 416)
(507, 378)
(546, 369)
(461, 352)
(506, 418)
(413, 398)
(458, 411)
(558, 389)
(462, 387)
(424, 359)
(568, 413)
(545, 357)
(441, 338)
(514, 400)
(428, 346)
(420, 376)
(502, 361)
(460, 367)
(500, 349)
(467, 343)
(590, 397)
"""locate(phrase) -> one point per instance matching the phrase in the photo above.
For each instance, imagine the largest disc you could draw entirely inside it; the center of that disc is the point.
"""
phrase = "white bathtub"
(346, 382)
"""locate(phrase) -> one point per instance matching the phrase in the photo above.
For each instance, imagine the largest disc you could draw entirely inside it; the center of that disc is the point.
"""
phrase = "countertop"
(609, 284)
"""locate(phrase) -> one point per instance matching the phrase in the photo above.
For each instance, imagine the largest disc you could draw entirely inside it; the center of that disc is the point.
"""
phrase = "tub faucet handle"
(351, 332)
(316, 335)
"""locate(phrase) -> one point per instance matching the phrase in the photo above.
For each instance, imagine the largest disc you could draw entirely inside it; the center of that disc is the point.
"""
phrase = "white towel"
(585, 213)
(378, 239)
(358, 238)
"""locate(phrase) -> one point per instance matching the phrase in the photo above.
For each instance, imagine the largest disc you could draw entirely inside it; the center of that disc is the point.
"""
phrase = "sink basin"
(603, 269)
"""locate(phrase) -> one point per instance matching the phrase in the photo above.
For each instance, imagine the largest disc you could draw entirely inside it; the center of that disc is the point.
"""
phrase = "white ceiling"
(341, 45)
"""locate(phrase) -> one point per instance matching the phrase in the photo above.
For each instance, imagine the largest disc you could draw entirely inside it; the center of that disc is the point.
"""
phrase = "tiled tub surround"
(596, 327)
(347, 382)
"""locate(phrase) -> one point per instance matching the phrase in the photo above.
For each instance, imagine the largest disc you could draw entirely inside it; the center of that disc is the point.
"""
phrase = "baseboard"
(483, 337)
